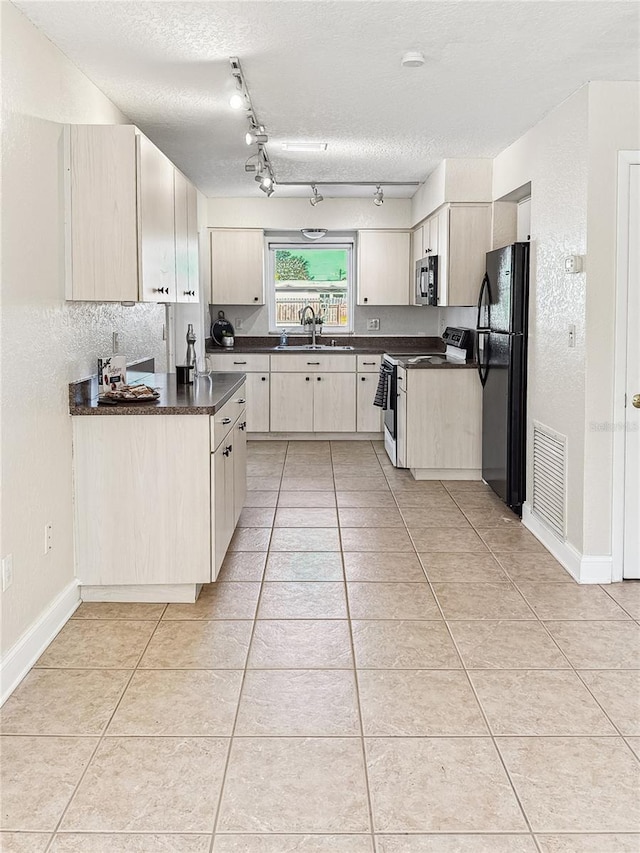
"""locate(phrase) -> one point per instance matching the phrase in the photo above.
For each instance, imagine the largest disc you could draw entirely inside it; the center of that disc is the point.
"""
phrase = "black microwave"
(427, 281)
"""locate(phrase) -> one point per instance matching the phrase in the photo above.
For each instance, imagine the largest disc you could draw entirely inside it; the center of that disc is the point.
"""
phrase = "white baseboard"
(173, 593)
(583, 568)
(19, 659)
(446, 473)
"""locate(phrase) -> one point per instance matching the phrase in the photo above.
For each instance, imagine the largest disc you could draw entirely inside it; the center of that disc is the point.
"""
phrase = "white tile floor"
(383, 666)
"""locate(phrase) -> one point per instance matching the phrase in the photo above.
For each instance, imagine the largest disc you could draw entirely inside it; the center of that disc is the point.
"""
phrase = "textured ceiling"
(330, 71)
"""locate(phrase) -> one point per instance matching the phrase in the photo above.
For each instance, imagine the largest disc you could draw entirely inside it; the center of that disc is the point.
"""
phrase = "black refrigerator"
(501, 341)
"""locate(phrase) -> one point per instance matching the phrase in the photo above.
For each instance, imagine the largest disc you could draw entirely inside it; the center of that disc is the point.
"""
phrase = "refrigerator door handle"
(483, 367)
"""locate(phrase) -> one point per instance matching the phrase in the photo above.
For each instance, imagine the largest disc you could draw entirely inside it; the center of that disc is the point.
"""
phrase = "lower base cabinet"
(228, 489)
(444, 421)
(368, 416)
(313, 402)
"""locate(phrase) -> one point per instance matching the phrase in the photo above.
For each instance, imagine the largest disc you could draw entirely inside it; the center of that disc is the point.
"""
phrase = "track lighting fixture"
(256, 136)
(237, 101)
(265, 180)
(378, 196)
(316, 198)
(268, 191)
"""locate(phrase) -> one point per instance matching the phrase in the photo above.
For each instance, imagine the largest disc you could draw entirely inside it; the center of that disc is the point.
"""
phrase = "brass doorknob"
(636, 401)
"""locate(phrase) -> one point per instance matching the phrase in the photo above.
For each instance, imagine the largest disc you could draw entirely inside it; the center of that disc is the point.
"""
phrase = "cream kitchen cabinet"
(443, 423)
(228, 486)
(237, 266)
(292, 402)
(384, 275)
(256, 368)
(186, 239)
(368, 416)
(121, 216)
(313, 393)
(460, 235)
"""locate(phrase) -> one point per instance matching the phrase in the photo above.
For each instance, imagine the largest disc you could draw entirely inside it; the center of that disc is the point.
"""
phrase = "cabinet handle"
(161, 290)
(363, 379)
(256, 298)
(226, 421)
(239, 362)
(242, 426)
(189, 292)
(313, 362)
(365, 299)
(319, 379)
(241, 401)
(369, 363)
(227, 450)
(264, 378)
(306, 379)
(399, 378)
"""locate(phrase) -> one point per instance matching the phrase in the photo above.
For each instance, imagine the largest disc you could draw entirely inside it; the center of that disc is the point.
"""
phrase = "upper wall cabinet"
(186, 225)
(384, 268)
(237, 266)
(131, 224)
(460, 235)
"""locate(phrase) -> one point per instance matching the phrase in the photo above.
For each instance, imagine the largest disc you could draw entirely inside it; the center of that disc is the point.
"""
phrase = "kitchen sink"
(312, 348)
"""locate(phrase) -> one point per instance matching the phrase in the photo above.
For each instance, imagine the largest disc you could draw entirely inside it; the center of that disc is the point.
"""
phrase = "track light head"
(316, 198)
(264, 179)
(256, 136)
(237, 101)
(378, 196)
(267, 190)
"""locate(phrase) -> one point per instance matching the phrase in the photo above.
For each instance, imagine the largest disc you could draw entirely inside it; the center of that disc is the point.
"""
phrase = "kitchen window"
(318, 274)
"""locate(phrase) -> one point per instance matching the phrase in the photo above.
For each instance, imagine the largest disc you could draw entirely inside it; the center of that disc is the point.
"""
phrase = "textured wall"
(614, 125)
(46, 342)
(553, 156)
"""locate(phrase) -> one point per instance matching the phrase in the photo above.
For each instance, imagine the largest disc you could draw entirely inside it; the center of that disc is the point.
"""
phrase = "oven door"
(390, 412)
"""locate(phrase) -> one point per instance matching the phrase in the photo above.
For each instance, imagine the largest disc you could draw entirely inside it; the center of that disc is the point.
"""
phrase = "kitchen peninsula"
(158, 486)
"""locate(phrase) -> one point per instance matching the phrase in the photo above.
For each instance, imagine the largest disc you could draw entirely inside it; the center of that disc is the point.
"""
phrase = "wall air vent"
(549, 477)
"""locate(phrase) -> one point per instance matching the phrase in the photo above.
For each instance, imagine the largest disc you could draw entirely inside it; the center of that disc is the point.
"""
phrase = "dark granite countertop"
(434, 363)
(205, 397)
(362, 344)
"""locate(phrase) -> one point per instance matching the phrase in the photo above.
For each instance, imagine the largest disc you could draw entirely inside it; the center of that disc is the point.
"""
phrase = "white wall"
(46, 342)
(335, 214)
(614, 125)
(570, 157)
(553, 156)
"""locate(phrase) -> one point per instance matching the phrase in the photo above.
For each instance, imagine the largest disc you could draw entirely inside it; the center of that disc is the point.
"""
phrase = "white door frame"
(626, 159)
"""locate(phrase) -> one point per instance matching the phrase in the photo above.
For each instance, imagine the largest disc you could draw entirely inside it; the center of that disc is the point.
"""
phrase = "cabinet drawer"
(222, 422)
(369, 363)
(239, 362)
(313, 363)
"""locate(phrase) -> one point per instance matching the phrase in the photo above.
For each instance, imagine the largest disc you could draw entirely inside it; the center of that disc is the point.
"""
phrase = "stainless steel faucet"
(303, 314)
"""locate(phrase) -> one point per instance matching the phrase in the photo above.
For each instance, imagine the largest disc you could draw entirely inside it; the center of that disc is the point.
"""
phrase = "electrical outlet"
(373, 325)
(7, 572)
(48, 537)
(238, 324)
(571, 342)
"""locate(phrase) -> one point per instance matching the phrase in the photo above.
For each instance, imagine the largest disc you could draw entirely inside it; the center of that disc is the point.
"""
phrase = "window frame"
(289, 241)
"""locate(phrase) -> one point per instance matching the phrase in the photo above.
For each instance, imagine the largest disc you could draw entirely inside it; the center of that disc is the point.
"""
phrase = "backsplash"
(394, 320)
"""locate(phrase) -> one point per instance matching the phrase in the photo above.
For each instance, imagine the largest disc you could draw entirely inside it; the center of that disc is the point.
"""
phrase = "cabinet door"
(444, 413)
(101, 216)
(368, 416)
(334, 402)
(292, 402)
(237, 267)
(431, 234)
(469, 242)
(417, 246)
(384, 258)
(157, 227)
(258, 402)
(239, 456)
(181, 236)
(186, 230)
(222, 505)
